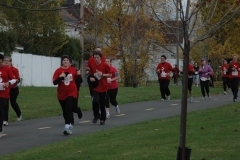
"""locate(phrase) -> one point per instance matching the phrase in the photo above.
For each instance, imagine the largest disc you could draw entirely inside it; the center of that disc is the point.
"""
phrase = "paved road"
(32, 133)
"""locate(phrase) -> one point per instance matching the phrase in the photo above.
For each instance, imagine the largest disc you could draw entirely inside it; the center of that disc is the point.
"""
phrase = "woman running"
(204, 72)
(6, 79)
(234, 75)
(64, 77)
(14, 92)
(225, 79)
(112, 89)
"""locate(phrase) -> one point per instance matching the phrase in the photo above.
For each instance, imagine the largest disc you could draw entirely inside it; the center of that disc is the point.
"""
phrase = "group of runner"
(103, 86)
(203, 74)
(9, 77)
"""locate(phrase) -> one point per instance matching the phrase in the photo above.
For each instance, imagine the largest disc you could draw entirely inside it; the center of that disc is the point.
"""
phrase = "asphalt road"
(28, 134)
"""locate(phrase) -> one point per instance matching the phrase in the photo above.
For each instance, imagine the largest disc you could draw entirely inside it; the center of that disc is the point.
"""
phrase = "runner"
(6, 79)
(163, 70)
(204, 72)
(234, 75)
(225, 79)
(112, 88)
(14, 91)
(98, 82)
(175, 72)
(195, 74)
(66, 91)
(190, 81)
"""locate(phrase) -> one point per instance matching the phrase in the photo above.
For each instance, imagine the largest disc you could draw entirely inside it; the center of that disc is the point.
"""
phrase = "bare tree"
(194, 16)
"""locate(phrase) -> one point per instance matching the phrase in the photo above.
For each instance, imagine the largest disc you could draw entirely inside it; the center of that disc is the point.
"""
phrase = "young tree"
(190, 13)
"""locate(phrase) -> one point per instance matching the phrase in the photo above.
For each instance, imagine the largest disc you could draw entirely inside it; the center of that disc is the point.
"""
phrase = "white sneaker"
(107, 115)
(162, 99)
(117, 110)
(168, 98)
(19, 118)
(203, 98)
(225, 93)
(68, 129)
(190, 99)
(5, 123)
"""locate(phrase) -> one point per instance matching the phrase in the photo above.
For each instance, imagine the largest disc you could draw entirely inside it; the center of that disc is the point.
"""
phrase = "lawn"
(212, 134)
(38, 102)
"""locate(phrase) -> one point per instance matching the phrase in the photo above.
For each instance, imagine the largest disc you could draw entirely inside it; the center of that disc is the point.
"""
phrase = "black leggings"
(190, 82)
(234, 82)
(225, 83)
(14, 92)
(164, 83)
(99, 99)
(67, 106)
(204, 86)
(3, 104)
(111, 96)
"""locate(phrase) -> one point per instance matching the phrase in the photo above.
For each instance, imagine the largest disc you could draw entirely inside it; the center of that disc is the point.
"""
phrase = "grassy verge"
(38, 102)
(212, 134)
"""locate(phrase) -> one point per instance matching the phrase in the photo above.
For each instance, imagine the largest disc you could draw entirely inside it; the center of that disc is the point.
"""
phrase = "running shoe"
(190, 99)
(168, 98)
(107, 115)
(19, 118)
(162, 99)
(102, 122)
(5, 123)
(234, 100)
(203, 98)
(117, 110)
(224, 92)
(95, 120)
(67, 130)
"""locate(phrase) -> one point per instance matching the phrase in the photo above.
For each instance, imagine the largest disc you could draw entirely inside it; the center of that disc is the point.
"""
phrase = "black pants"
(99, 99)
(175, 80)
(234, 82)
(225, 83)
(89, 86)
(190, 82)
(3, 104)
(204, 87)
(164, 83)
(112, 96)
(67, 106)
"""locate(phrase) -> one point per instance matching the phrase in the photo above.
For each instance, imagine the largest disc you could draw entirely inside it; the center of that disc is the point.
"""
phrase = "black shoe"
(102, 122)
(94, 120)
(79, 113)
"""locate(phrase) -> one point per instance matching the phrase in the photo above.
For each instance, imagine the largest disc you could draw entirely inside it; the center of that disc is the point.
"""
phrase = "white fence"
(38, 70)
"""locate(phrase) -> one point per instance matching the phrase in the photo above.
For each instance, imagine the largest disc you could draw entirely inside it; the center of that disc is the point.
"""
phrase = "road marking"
(45, 128)
(174, 104)
(120, 115)
(4, 135)
(149, 109)
(85, 121)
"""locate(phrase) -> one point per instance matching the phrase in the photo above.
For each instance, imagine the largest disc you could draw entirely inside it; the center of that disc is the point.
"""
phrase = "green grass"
(39, 102)
(212, 134)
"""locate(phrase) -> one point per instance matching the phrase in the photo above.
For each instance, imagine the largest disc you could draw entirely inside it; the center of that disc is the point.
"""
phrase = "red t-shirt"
(16, 74)
(235, 74)
(190, 70)
(66, 87)
(5, 75)
(164, 68)
(113, 84)
(91, 60)
(224, 70)
(105, 69)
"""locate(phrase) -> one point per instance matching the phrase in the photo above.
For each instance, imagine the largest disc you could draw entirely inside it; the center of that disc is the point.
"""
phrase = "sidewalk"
(32, 133)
